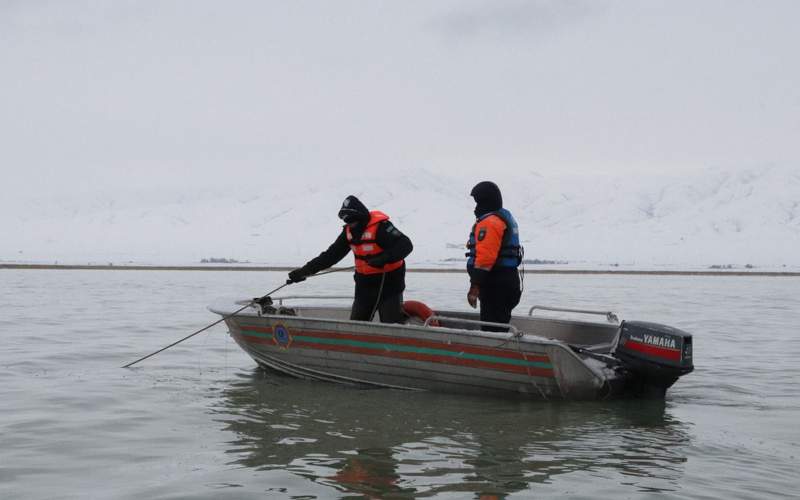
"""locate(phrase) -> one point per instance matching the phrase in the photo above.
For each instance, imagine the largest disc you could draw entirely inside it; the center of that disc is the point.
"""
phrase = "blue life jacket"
(510, 255)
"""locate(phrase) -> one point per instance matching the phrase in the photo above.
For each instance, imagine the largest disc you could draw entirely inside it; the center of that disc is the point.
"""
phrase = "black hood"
(353, 211)
(487, 198)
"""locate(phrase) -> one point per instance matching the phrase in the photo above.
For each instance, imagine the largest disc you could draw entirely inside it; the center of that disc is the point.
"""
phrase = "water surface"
(200, 421)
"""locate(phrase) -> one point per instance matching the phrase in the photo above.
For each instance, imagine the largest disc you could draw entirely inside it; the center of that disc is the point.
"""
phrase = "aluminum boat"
(550, 354)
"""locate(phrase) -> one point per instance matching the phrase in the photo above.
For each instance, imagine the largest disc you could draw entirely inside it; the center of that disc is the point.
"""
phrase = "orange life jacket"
(367, 246)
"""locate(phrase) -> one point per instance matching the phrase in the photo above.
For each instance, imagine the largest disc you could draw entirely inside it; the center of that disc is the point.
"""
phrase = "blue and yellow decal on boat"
(281, 336)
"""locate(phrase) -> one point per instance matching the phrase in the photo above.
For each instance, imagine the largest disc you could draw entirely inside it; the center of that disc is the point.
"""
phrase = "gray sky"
(97, 95)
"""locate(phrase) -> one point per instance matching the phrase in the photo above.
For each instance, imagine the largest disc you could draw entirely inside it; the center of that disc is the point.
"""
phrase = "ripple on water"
(199, 421)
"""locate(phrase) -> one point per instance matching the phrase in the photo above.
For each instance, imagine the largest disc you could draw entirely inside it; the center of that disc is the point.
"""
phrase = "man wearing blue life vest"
(494, 257)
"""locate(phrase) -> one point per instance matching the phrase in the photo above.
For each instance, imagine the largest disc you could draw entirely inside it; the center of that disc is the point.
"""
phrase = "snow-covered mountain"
(720, 217)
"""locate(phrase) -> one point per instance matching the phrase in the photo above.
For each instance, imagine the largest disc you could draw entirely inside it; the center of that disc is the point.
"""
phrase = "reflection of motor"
(654, 356)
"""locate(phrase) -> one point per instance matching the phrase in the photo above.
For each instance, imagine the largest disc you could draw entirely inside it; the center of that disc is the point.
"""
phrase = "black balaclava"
(487, 198)
(354, 211)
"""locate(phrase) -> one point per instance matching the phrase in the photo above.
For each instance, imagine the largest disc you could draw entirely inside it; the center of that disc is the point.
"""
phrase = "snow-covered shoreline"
(745, 219)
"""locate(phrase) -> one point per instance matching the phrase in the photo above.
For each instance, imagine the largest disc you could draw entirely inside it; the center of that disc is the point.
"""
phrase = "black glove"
(264, 301)
(297, 276)
(472, 295)
(379, 260)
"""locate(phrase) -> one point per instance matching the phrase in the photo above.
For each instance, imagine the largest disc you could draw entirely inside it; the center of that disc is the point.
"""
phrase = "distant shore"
(97, 267)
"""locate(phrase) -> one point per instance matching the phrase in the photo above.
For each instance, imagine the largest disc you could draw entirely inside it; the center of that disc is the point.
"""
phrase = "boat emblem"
(281, 336)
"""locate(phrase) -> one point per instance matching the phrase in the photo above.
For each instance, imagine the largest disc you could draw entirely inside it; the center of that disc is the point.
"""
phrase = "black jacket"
(396, 246)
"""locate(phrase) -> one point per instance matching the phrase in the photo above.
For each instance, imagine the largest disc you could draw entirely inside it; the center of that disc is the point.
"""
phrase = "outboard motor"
(654, 356)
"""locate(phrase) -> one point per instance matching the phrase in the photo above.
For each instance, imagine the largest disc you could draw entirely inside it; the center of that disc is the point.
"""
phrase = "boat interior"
(591, 330)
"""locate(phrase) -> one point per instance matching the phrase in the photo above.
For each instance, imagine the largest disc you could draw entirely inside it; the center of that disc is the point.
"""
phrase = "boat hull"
(417, 357)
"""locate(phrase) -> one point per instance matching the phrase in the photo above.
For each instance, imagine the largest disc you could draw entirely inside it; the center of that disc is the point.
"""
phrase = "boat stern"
(654, 357)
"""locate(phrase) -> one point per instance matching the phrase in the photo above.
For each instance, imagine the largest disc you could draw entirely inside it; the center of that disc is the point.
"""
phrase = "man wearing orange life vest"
(379, 249)
(494, 255)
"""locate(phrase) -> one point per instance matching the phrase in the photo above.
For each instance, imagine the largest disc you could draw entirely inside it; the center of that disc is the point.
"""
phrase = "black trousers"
(498, 296)
(390, 307)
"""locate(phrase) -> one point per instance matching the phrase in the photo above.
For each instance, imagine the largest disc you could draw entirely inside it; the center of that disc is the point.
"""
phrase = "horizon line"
(628, 272)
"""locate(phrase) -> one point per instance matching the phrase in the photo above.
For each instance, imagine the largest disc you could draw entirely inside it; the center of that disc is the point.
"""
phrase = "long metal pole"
(229, 315)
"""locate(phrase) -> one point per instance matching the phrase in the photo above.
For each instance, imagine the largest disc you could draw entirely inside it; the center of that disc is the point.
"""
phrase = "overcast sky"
(139, 93)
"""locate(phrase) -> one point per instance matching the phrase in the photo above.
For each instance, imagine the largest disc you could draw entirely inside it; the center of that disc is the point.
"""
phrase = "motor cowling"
(654, 355)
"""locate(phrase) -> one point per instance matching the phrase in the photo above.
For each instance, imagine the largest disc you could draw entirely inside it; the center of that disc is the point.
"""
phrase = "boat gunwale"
(480, 333)
(524, 336)
(552, 319)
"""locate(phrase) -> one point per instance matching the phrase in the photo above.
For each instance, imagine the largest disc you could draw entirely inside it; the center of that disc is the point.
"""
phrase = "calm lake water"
(200, 421)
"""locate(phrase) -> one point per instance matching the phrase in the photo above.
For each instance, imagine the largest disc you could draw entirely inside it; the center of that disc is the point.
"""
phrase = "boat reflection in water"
(383, 442)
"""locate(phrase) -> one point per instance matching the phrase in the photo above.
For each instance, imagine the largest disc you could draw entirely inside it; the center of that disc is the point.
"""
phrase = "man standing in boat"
(379, 249)
(494, 255)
